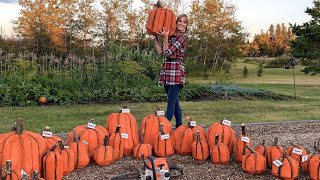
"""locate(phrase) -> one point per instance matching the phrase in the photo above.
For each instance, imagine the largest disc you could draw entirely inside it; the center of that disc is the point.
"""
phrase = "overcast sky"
(254, 14)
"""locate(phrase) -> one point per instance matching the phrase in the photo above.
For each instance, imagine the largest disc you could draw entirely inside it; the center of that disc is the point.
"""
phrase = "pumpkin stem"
(263, 142)
(105, 140)
(161, 128)
(243, 129)
(75, 136)
(18, 126)
(188, 119)
(217, 139)
(91, 120)
(158, 4)
(47, 128)
(60, 144)
(275, 141)
(250, 149)
(35, 175)
(8, 166)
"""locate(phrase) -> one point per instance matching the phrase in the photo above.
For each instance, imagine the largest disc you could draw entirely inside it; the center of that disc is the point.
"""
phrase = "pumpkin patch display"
(51, 139)
(226, 134)
(128, 131)
(81, 152)
(52, 164)
(163, 145)
(68, 157)
(285, 167)
(23, 148)
(219, 152)
(116, 143)
(200, 148)
(104, 155)
(159, 19)
(92, 134)
(296, 152)
(253, 162)
(142, 148)
(241, 143)
(183, 137)
(150, 126)
(274, 152)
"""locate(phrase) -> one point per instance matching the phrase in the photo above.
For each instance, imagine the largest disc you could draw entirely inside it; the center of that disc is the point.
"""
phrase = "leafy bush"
(277, 62)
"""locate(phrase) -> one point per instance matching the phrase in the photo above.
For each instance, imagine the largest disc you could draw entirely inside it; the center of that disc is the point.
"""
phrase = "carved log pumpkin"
(81, 152)
(51, 139)
(160, 18)
(52, 164)
(128, 131)
(104, 155)
(262, 149)
(183, 137)
(68, 157)
(200, 148)
(274, 152)
(296, 152)
(306, 159)
(92, 134)
(241, 143)
(219, 152)
(253, 162)
(163, 145)
(142, 148)
(23, 148)
(150, 126)
(226, 134)
(116, 143)
(285, 167)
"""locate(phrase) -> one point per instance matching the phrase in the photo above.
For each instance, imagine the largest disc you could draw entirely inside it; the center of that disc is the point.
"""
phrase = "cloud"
(9, 1)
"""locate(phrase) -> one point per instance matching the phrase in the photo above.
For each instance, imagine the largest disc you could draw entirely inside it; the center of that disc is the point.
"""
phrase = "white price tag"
(124, 136)
(160, 113)
(66, 147)
(226, 122)
(165, 136)
(297, 151)
(304, 158)
(277, 162)
(245, 139)
(125, 111)
(46, 134)
(85, 142)
(23, 173)
(193, 123)
(91, 125)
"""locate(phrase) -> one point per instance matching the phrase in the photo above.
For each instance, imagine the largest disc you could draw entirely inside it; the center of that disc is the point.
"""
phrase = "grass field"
(306, 106)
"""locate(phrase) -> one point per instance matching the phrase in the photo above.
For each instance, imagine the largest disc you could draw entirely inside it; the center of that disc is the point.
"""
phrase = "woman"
(172, 74)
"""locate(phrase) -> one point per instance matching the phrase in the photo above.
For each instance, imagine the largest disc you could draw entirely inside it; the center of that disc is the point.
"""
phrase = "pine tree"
(260, 70)
(245, 72)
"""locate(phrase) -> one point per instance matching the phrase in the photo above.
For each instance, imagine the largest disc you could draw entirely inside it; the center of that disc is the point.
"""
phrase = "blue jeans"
(173, 106)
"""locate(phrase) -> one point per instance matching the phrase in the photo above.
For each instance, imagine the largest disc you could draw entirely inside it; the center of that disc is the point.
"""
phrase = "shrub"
(277, 62)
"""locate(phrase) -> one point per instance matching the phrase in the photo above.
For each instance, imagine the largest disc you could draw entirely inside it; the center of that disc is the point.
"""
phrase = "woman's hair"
(187, 19)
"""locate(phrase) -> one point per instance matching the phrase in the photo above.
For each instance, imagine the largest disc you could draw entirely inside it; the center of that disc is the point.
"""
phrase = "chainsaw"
(155, 169)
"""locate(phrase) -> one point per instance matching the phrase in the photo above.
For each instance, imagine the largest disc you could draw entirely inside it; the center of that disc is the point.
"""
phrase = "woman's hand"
(164, 33)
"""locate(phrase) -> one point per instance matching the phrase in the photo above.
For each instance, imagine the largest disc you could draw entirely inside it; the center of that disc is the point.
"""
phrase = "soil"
(300, 133)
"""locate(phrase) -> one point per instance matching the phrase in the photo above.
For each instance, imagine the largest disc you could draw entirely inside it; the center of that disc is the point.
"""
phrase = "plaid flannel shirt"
(173, 71)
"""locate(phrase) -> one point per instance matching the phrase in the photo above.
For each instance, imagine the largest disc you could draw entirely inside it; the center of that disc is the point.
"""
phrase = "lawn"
(305, 107)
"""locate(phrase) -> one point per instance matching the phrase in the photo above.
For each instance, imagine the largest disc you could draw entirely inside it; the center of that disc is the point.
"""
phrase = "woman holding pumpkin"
(172, 74)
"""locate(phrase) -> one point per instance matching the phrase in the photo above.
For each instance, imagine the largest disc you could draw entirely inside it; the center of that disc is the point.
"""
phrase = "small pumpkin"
(104, 155)
(52, 164)
(253, 162)
(81, 152)
(285, 167)
(262, 149)
(142, 148)
(116, 143)
(274, 152)
(241, 143)
(200, 148)
(306, 159)
(314, 164)
(163, 145)
(219, 152)
(296, 152)
(42, 100)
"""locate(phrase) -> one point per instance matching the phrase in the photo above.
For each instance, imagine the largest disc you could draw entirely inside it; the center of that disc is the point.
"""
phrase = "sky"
(255, 15)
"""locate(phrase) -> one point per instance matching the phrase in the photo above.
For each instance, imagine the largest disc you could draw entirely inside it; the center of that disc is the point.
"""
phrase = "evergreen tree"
(260, 70)
(245, 72)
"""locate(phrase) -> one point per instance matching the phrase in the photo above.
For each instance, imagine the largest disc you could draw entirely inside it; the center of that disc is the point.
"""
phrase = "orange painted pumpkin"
(142, 148)
(285, 167)
(23, 148)
(81, 151)
(306, 159)
(226, 134)
(104, 155)
(163, 145)
(183, 137)
(160, 18)
(128, 131)
(253, 162)
(116, 142)
(262, 149)
(68, 157)
(296, 152)
(92, 134)
(274, 152)
(219, 152)
(241, 143)
(52, 164)
(200, 148)
(42, 100)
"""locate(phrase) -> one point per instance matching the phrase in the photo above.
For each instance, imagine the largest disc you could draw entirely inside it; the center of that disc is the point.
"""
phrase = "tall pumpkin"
(91, 133)
(104, 155)
(51, 139)
(285, 167)
(52, 164)
(241, 143)
(296, 152)
(253, 162)
(226, 134)
(200, 148)
(142, 148)
(163, 145)
(81, 151)
(219, 152)
(116, 142)
(274, 152)
(128, 131)
(183, 137)
(23, 148)
(68, 157)
(150, 126)
(160, 18)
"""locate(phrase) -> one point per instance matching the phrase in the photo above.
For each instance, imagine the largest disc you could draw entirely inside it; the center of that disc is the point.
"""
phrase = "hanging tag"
(304, 158)
(46, 134)
(226, 122)
(91, 125)
(66, 147)
(245, 139)
(165, 136)
(277, 162)
(160, 113)
(297, 151)
(193, 123)
(85, 142)
(124, 136)
(125, 110)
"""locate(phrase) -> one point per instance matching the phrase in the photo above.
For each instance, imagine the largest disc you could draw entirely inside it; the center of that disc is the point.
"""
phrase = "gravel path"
(301, 133)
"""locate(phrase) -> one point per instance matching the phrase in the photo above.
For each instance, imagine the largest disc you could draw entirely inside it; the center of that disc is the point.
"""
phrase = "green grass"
(306, 106)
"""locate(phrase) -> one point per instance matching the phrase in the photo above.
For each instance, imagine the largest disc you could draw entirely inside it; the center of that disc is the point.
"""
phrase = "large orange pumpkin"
(128, 131)
(274, 152)
(160, 18)
(219, 152)
(253, 162)
(68, 157)
(226, 134)
(116, 143)
(81, 151)
(52, 164)
(142, 148)
(183, 137)
(285, 167)
(241, 143)
(150, 126)
(104, 155)
(92, 134)
(23, 148)
(163, 145)
(200, 148)
(296, 152)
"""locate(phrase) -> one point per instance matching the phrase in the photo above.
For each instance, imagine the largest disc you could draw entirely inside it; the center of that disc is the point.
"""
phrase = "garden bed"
(301, 133)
